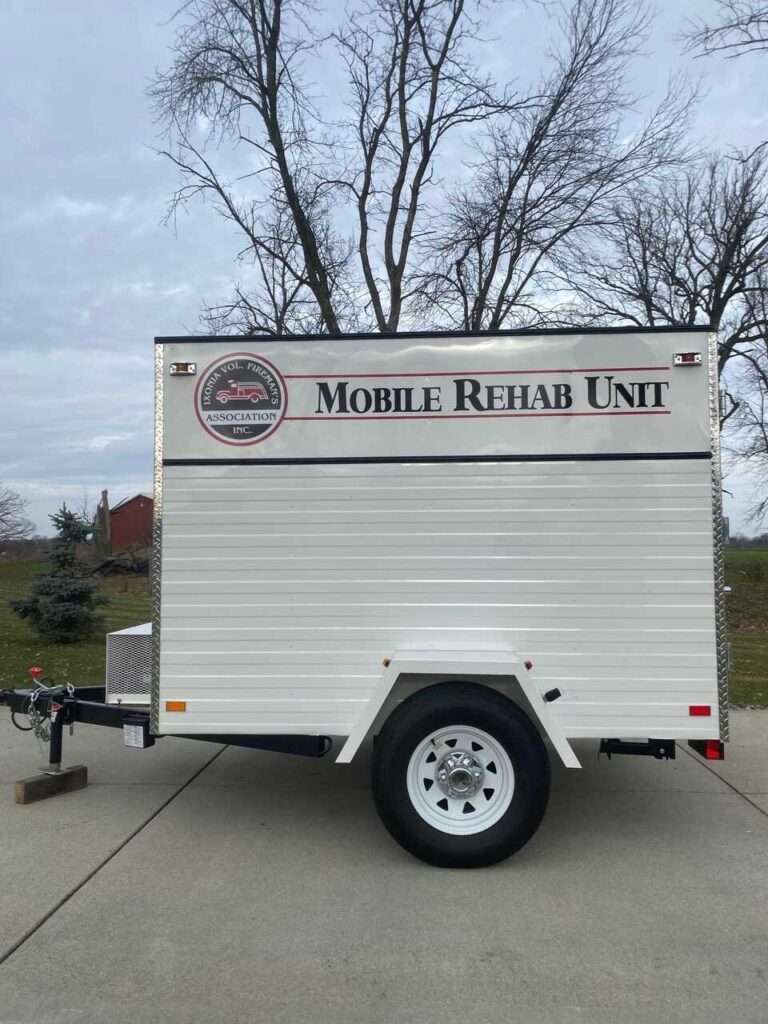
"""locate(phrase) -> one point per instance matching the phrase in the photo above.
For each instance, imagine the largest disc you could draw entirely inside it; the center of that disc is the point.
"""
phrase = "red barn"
(131, 523)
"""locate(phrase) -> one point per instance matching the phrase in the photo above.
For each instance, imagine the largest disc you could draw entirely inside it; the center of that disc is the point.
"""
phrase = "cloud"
(68, 207)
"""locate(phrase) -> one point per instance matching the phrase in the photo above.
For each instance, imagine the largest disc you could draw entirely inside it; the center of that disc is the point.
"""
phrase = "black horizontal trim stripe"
(259, 339)
(362, 460)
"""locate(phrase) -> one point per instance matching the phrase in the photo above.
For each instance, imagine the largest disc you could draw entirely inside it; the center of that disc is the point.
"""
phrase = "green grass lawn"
(20, 647)
(746, 572)
(747, 606)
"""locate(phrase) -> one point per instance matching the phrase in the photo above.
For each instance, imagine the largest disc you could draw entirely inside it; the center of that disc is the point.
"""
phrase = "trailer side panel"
(551, 496)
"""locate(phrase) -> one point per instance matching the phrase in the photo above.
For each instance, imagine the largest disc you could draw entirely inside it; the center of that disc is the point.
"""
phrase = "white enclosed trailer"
(455, 543)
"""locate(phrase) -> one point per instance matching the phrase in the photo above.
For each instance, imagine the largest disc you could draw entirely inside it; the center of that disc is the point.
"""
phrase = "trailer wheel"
(460, 776)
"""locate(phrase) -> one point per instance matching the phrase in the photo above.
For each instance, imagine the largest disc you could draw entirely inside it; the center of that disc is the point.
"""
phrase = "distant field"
(65, 663)
(747, 608)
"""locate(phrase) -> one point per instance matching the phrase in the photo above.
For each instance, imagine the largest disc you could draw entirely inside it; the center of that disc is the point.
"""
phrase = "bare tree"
(237, 66)
(547, 171)
(276, 297)
(691, 250)
(14, 525)
(351, 225)
(741, 27)
(237, 70)
(413, 83)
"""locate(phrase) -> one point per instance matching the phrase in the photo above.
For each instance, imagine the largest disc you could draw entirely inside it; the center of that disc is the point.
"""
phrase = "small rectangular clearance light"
(687, 359)
(700, 711)
(175, 705)
(183, 369)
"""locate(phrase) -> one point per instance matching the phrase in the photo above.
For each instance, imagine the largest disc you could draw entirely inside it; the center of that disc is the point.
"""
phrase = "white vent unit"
(129, 665)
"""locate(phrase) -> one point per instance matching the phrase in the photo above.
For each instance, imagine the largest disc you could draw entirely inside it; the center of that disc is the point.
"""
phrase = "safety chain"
(39, 720)
(39, 717)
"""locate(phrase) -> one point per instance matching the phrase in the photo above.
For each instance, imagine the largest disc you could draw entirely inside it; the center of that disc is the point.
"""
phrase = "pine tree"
(61, 605)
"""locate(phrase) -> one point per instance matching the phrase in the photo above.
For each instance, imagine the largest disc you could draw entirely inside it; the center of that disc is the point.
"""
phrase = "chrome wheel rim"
(460, 780)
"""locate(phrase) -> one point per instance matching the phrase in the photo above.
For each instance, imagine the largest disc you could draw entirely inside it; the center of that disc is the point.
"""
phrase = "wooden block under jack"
(39, 787)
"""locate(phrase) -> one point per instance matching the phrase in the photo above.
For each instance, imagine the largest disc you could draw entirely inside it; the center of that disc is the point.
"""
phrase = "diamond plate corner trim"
(718, 544)
(157, 540)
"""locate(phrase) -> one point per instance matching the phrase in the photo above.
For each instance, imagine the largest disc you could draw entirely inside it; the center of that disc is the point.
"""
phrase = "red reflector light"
(528, 665)
(700, 710)
(712, 750)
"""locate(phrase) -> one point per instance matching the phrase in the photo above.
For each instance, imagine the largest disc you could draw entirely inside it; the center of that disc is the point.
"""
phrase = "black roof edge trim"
(358, 460)
(522, 332)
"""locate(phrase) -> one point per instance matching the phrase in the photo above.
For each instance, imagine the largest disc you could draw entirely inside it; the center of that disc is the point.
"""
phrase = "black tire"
(450, 705)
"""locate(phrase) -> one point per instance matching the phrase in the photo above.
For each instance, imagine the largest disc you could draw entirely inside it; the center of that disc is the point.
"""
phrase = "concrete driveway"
(197, 883)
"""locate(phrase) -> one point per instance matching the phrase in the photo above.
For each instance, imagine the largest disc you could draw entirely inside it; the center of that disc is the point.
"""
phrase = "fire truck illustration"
(241, 391)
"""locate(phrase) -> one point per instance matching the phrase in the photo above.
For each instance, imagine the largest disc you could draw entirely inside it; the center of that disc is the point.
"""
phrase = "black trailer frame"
(66, 705)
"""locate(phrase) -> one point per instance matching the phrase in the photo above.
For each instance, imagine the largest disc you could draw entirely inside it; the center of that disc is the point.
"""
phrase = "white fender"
(451, 664)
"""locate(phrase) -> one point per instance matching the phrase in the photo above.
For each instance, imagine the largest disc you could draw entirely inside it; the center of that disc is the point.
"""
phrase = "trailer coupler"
(660, 749)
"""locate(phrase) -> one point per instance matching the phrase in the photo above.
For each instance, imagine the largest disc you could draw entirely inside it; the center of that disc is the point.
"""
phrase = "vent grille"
(129, 665)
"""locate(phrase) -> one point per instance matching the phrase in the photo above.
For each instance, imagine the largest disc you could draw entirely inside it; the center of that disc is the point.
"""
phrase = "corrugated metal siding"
(283, 587)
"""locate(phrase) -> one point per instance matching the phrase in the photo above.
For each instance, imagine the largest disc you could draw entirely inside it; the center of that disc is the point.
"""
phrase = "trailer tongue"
(50, 709)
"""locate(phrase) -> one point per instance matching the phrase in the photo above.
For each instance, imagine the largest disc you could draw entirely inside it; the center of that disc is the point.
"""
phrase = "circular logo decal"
(241, 398)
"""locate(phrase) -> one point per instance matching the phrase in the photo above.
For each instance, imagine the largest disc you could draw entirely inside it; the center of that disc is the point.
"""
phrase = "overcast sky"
(88, 272)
